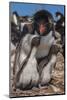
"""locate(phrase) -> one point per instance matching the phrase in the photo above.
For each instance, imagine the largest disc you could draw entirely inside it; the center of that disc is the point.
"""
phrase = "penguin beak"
(42, 29)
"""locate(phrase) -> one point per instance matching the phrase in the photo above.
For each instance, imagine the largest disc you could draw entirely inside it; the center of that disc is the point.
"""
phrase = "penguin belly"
(45, 45)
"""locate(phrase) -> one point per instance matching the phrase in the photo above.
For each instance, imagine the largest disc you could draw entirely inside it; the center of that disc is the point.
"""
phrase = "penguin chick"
(28, 76)
(47, 71)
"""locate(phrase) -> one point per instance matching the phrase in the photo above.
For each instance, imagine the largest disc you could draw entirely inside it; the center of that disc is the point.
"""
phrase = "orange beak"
(42, 29)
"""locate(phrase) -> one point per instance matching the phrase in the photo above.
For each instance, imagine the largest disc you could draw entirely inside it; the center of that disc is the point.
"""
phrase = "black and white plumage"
(15, 28)
(60, 27)
(46, 60)
(43, 17)
(15, 18)
(19, 28)
(28, 56)
(26, 63)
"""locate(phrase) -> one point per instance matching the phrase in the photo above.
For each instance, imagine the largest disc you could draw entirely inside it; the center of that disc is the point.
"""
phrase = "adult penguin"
(47, 50)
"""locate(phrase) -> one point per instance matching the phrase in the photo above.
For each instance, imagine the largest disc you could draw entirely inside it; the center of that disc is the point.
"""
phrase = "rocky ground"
(56, 86)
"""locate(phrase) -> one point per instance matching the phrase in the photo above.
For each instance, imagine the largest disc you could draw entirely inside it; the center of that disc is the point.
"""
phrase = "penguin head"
(43, 22)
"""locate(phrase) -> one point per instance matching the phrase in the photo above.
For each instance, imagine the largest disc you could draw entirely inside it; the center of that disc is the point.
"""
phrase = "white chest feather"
(15, 19)
(45, 44)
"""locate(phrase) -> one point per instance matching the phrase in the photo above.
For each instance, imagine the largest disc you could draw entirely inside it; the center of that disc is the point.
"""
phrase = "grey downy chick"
(28, 76)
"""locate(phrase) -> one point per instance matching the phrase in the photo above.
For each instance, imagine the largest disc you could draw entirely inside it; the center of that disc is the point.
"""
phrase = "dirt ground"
(56, 86)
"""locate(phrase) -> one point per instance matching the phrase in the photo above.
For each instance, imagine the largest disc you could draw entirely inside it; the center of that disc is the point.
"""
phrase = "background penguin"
(60, 28)
(15, 28)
